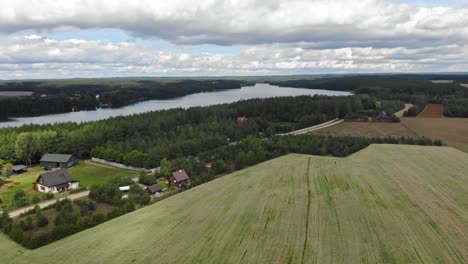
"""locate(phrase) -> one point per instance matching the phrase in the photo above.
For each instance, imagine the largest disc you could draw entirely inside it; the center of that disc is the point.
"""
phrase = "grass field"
(385, 204)
(432, 111)
(89, 173)
(452, 131)
(86, 173)
(367, 129)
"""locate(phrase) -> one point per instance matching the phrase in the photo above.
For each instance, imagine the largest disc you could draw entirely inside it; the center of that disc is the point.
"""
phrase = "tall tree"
(25, 147)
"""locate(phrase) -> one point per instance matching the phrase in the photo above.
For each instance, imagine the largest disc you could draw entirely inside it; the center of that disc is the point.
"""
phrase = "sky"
(115, 38)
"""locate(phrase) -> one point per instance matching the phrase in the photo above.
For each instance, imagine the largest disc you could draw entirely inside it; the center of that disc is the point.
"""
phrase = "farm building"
(56, 181)
(49, 161)
(179, 177)
(19, 168)
(154, 189)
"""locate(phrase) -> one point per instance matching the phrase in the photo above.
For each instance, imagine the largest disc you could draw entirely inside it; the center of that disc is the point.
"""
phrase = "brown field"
(432, 111)
(367, 129)
(452, 131)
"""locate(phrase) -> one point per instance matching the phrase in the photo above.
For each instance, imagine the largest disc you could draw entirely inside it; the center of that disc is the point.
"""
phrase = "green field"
(86, 173)
(384, 204)
(89, 173)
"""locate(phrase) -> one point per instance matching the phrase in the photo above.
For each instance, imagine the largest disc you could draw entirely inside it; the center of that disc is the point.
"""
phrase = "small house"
(17, 169)
(179, 177)
(55, 182)
(49, 161)
(154, 189)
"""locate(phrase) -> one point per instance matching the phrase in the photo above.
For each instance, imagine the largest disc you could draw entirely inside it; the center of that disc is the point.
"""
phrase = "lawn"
(89, 173)
(367, 129)
(23, 182)
(86, 173)
(452, 131)
(384, 204)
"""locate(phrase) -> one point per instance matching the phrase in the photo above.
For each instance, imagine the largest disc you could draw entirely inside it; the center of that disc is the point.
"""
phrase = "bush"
(147, 180)
(41, 220)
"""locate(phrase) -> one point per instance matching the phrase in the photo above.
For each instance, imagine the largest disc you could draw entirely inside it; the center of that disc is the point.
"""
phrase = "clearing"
(367, 129)
(432, 111)
(384, 204)
(452, 131)
(87, 173)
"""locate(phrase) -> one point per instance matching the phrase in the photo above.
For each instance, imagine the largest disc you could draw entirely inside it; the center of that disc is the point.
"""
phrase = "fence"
(117, 165)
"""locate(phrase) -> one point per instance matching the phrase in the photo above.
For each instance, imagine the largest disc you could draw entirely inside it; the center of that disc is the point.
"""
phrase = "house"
(49, 161)
(154, 189)
(179, 177)
(55, 181)
(19, 169)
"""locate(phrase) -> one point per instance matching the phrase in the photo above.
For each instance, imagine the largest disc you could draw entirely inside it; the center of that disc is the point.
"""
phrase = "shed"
(49, 161)
(154, 189)
(19, 168)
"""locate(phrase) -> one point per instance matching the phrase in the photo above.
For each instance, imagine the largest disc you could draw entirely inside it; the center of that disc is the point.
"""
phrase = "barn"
(49, 161)
(55, 182)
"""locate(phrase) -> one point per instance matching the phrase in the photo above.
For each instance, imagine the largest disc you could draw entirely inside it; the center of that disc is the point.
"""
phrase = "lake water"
(259, 90)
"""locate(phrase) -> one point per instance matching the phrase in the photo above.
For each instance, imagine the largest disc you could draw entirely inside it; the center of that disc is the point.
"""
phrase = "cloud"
(39, 57)
(339, 23)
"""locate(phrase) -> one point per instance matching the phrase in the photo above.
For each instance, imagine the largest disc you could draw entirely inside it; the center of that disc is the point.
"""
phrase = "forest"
(143, 140)
(52, 98)
(416, 89)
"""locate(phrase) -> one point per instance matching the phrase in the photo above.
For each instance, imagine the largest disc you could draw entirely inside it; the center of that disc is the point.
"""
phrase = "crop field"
(432, 111)
(452, 131)
(367, 129)
(384, 204)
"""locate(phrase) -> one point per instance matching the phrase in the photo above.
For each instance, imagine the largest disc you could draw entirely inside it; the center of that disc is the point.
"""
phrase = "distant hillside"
(384, 204)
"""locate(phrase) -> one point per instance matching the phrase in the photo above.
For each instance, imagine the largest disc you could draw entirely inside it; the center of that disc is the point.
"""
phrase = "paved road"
(314, 128)
(74, 196)
(402, 111)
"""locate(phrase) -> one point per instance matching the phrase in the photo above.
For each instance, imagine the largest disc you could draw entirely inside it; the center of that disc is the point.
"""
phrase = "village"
(93, 190)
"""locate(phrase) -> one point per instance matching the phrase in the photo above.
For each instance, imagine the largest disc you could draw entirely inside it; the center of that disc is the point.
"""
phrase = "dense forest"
(52, 98)
(416, 89)
(143, 140)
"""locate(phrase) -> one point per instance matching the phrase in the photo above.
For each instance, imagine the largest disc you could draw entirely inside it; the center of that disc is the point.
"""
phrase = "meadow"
(384, 204)
(367, 129)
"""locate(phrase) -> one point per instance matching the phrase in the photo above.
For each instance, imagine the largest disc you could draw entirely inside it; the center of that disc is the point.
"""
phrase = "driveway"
(17, 212)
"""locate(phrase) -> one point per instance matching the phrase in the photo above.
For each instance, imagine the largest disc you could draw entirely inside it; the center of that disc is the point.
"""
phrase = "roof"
(180, 175)
(54, 178)
(19, 167)
(154, 188)
(61, 158)
(124, 188)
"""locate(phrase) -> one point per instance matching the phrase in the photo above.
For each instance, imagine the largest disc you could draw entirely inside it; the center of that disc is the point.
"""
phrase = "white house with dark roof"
(55, 182)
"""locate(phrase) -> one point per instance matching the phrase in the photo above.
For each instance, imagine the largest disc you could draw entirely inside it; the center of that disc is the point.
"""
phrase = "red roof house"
(178, 177)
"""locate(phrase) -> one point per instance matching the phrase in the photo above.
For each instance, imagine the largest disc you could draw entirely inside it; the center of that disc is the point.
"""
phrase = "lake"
(260, 90)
